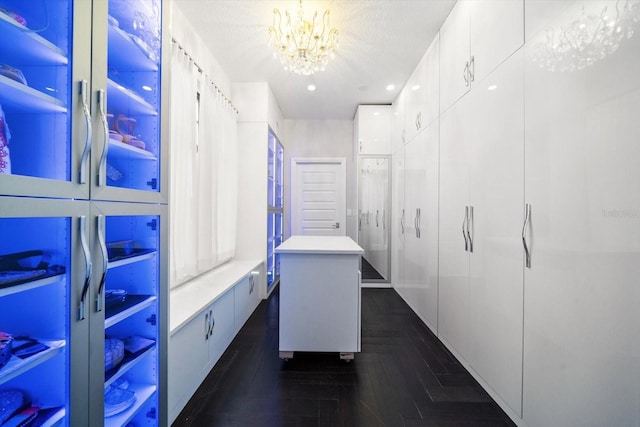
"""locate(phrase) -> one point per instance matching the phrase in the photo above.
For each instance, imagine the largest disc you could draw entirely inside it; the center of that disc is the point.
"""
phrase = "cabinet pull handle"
(105, 261)
(402, 222)
(88, 268)
(251, 283)
(213, 322)
(102, 168)
(464, 224)
(82, 178)
(465, 73)
(207, 326)
(418, 233)
(377, 214)
(470, 228)
(527, 254)
(472, 69)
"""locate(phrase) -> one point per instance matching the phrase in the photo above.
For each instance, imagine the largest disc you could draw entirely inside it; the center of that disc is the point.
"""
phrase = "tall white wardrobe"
(528, 191)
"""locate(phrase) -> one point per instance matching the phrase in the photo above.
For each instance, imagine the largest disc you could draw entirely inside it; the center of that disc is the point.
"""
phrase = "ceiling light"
(311, 88)
(391, 87)
(304, 47)
(492, 87)
(415, 87)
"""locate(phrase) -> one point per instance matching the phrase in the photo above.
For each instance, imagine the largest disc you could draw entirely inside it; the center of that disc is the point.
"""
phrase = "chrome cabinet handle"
(213, 322)
(464, 225)
(251, 283)
(465, 73)
(402, 222)
(105, 261)
(418, 220)
(84, 94)
(102, 167)
(88, 268)
(472, 69)
(470, 228)
(527, 216)
(207, 326)
(377, 215)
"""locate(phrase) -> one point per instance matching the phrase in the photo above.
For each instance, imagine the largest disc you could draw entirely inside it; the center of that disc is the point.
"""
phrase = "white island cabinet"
(319, 295)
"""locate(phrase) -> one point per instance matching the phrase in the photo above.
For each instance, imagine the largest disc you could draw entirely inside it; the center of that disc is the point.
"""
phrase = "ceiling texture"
(380, 43)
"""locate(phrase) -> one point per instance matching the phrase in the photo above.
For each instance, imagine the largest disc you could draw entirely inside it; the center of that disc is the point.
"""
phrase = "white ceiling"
(380, 43)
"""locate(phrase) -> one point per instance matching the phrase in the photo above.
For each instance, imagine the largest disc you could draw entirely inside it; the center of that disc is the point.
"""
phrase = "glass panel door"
(35, 94)
(133, 96)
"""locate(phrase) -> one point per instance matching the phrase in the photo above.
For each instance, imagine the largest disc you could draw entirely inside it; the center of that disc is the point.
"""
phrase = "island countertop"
(319, 245)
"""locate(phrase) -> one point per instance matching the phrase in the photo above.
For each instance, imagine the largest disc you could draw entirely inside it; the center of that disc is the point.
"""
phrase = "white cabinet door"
(423, 92)
(454, 55)
(582, 328)
(496, 153)
(421, 240)
(245, 293)
(373, 123)
(223, 325)
(497, 30)
(188, 361)
(453, 295)
(399, 219)
(398, 134)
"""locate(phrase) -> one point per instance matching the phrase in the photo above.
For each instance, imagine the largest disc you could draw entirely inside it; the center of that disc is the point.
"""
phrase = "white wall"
(321, 138)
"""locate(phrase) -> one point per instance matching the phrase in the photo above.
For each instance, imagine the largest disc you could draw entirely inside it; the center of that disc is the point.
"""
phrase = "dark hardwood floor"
(403, 377)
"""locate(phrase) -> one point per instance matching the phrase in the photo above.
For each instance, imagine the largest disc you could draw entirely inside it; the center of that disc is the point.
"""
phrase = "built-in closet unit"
(372, 136)
(84, 270)
(415, 189)
(275, 207)
(538, 209)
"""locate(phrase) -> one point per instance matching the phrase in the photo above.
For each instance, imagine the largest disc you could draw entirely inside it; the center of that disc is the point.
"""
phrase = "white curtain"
(183, 226)
(204, 172)
(227, 196)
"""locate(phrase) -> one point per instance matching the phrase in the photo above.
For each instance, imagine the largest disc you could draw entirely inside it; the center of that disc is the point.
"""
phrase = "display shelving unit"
(275, 208)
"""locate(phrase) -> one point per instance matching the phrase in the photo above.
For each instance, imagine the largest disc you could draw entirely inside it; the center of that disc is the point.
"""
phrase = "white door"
(318, 190)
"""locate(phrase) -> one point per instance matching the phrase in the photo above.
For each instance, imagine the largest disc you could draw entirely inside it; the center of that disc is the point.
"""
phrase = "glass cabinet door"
(41, 93)
(43, 329)
(130, 298)
(128, 102)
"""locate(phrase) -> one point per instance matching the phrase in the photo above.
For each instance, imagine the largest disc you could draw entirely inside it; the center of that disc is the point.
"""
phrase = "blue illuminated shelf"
(125, 55)
(31, 285)
(130, 260)
(121, 150)
(27, 47)
(17, 366)
(126, 366)
(143, 393)
(26, 99)
(122, 99)
(143, 302)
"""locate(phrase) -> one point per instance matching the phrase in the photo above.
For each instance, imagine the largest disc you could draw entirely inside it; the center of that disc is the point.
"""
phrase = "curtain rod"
(200, 70)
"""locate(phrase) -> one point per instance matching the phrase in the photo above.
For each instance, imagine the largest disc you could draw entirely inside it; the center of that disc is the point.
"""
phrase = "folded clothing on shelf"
(25, 347)
(23, 418)
(113, 353)
(12, 73)
(11, 401)
(25, 266)
(6, 344)
(15, 16)
(137, 344)
(5, 136)
(118, 397)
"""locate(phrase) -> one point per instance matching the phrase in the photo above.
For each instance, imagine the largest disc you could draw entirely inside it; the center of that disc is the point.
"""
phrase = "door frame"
(297, 162)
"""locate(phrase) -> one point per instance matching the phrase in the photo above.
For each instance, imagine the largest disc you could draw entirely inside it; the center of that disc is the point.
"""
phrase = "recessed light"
(492, 87)
(311, 88)
(377, 113)
(415, 87)
(391, 87)
(147, 88)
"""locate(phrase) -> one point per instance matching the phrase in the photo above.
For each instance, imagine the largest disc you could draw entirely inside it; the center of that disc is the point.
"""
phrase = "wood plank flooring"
(403, 377)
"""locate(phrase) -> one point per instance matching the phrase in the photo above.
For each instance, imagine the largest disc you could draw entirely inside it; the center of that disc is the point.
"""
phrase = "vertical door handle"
(402, 222)
(102, 108)
(470, 228)
(472, 69)
(207, 326)
(377, 215)
(465, 73)
(213, 322)
(88, 268)
(464, 226)
(418, 232)
(527, 216)
(84, 99)
(105, 261)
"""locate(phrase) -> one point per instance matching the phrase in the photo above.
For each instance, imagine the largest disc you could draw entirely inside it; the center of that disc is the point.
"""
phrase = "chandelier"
(588, 39)
(303, 47)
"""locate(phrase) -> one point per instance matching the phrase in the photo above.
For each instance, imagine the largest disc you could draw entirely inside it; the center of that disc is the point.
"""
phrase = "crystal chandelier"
(588, 39)
(303, 47)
